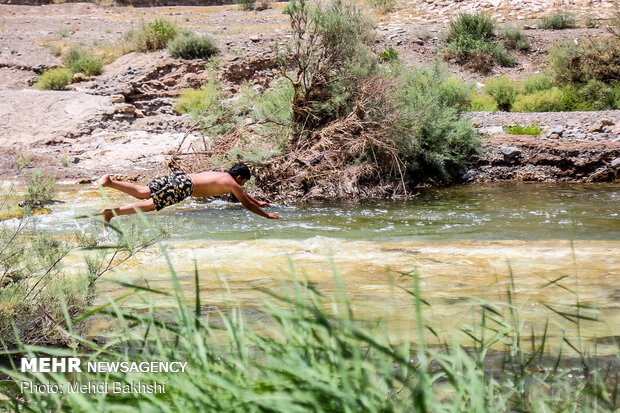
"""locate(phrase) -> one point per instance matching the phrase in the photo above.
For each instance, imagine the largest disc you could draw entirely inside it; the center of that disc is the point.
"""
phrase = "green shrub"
(439, 142)
(54, 79)
(536, 83)
(389, 54)
(612, 98)
(550, 100)
(274, 105)
(470, 41)
(558, 21)
(187, 45)
(532, 129)
(503, 90)
(482, 102)
(501, 56)
(455, 93)
(336, 59)
(590, 22)
(463, 45)
(38, 189)
(590, 60)
(246, 4)
(475, 26)
(514, 38)
(152, 36)
(197, 101)
(81, 61)
(592, 95)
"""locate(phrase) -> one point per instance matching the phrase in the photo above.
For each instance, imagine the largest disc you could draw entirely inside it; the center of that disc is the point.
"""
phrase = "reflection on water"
(463, 242)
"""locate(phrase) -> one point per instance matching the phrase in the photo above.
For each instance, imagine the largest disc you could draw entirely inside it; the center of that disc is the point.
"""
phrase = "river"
(463, 242)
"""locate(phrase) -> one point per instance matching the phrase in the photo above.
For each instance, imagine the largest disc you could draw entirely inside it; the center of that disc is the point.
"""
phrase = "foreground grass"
(313, 353)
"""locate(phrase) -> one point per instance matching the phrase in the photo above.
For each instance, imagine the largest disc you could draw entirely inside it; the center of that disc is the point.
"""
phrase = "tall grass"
(312, 352)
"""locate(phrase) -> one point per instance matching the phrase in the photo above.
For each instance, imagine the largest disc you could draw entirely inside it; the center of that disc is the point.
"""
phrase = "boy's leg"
(140, 192)
(144, 206)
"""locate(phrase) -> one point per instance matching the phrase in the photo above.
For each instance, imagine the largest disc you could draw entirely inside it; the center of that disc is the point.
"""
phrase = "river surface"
(463, 242)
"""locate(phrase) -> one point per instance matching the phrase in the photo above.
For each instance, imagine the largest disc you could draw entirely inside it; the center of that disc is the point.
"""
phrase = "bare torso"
(212, 183)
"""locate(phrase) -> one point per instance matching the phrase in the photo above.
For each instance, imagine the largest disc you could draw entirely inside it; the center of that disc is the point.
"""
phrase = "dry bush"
(478, 61)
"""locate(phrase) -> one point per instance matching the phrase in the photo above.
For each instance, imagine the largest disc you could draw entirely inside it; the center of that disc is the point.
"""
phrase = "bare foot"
(107, 215)
(105, 180)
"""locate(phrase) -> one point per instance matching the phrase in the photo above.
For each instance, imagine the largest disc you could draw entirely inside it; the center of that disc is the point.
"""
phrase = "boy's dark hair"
(240, 169)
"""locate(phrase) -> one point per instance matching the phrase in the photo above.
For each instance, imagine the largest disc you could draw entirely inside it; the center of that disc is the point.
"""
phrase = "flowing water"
(463, 242)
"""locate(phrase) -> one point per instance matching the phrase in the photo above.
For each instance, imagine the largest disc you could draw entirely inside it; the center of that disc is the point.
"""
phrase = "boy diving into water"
(175, 187)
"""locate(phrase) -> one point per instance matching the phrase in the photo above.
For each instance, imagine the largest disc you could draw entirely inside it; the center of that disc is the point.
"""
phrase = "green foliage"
(536, 83)
(590, 22)
(274, 105)
(503, 90)
(438, 142)
(38, 189)
(612, 98)
(502, 56)
(550, 100)
(589, 60)
(63, 32)
(333, 57)
(455, 93)
(471, 41)
(187, 45)
(197, 102)
(476, 26)
(532, 129)
(22, 162)
(558, 21)
(54, 79)
(389, 54)
(81, 61)
(246, 4)
(482, 102)
(152, 36)
(514, 39)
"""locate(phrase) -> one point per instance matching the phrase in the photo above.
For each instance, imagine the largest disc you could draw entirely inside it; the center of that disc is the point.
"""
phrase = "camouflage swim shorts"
(170, 189)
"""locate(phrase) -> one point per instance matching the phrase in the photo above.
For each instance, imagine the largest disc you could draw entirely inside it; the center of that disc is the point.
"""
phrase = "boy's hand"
(274, 216)
(263, 204)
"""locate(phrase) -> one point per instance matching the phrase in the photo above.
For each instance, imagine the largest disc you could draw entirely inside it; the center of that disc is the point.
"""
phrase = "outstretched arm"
(248, 202)
(257, 202)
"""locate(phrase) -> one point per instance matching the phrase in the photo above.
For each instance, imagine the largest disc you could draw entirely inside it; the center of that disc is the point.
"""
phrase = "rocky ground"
(123, 122)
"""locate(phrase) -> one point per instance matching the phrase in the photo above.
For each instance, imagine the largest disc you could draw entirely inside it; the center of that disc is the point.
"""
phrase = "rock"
(469, 175)
(139, 113)
(73, 159)
(492, 130)
(79, 77)
(615, 163)
(553, 136)
(557, 129)
(117, 99)
(599, 127)
(419, 41)
(616, 130)
(126, 108)
(510, 152)
(38, 69)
